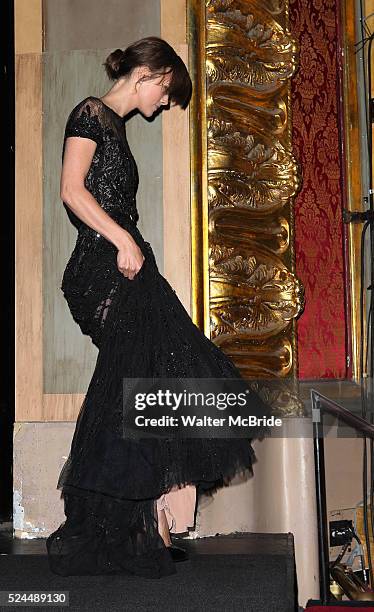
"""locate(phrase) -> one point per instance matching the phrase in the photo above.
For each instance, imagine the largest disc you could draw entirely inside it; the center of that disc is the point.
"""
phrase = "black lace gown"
(110, 484)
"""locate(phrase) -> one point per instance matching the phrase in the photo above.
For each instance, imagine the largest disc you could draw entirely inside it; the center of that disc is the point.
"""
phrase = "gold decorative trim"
(245, 295)
(353, 175)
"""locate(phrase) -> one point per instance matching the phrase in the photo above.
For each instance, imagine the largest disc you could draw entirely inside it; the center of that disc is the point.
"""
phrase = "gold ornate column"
(244, 178)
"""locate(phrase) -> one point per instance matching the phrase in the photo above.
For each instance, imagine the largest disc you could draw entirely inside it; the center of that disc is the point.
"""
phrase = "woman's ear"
(140, 73)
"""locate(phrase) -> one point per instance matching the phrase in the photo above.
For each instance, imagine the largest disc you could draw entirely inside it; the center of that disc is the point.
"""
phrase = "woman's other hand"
(129, 258)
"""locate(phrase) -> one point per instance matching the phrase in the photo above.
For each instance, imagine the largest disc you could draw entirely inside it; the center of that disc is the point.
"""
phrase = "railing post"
(319, 463)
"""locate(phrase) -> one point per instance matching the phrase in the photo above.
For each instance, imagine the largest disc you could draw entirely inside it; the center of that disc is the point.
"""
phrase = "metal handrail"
(319, 404)
(332, 407)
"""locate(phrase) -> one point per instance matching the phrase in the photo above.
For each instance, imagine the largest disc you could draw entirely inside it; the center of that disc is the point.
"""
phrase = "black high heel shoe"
(178, 553)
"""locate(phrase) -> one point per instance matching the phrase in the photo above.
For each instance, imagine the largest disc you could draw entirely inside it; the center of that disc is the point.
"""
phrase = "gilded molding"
(244, 179)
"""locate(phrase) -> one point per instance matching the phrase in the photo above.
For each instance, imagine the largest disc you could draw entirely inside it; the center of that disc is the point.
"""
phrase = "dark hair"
(161, 59)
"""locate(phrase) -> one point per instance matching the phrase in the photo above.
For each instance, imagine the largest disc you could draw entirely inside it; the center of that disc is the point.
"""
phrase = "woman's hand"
(129, 258)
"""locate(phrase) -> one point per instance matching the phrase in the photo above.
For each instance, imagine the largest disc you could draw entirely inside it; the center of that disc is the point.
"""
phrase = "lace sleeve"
(85, 121)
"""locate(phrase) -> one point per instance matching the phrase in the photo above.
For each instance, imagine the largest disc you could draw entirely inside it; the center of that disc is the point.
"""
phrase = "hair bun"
(113, 62)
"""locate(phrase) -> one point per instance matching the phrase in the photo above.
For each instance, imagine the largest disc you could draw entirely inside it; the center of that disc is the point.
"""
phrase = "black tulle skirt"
(110, 483)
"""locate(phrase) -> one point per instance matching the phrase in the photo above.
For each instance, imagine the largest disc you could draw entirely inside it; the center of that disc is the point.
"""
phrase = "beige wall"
(28, 25)
(95, 24)
(28, 214)
(176, 167)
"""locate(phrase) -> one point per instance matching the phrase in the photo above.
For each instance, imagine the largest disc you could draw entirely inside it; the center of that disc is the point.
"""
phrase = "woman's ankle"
(163, 528)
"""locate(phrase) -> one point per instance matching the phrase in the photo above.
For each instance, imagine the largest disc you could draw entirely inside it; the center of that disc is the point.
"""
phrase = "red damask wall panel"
(318, 207)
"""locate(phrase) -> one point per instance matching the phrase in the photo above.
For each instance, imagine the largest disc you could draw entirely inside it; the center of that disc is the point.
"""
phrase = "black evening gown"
(109, 483)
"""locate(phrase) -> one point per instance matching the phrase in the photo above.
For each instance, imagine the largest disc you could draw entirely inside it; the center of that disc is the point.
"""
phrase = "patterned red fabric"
(318, 207)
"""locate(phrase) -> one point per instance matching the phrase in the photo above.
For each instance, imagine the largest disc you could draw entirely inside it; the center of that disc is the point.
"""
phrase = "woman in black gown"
(110, 484)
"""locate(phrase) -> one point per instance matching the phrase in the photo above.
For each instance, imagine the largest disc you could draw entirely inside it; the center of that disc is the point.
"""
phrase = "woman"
(116, 489)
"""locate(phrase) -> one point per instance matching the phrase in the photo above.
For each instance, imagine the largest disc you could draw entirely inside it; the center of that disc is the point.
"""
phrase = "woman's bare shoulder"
(90, 104)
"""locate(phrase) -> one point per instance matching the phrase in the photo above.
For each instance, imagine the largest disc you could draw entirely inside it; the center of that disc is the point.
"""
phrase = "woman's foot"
(178, 553)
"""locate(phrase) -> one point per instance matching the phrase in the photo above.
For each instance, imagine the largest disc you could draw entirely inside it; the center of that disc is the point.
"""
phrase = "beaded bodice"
(113, 176)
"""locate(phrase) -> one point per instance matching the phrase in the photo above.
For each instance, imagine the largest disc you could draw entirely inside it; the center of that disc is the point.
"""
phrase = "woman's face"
(152, 94)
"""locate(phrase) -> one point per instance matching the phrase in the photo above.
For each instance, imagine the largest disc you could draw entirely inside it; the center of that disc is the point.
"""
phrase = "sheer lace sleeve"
(85, 120)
